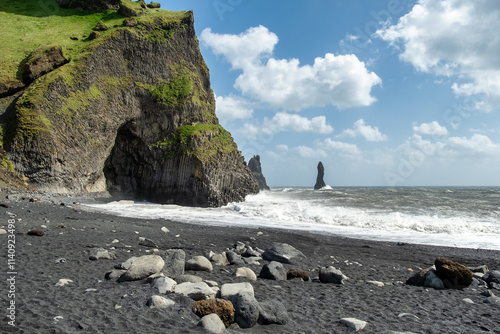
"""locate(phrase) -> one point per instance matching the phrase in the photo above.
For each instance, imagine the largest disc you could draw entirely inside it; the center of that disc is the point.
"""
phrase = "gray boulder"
(212, 324)
(273, 270)
(492, 276)
(164, 284)
(143, 267)
(331, 275)
(219, 259)
(195, 291)
(174, 262)
(272, 312)
(246, 309)
(229, 290)
(199, 263)
(234, 258)
(418, 279)
(245, 272)
(147, 242)
(101, 253)
(283, 253)
(432, 280)
(159, 302)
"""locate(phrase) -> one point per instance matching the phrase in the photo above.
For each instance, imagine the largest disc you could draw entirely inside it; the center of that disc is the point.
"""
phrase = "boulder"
(164, 284)
(195, 291)
(331, 275)
(246, 309)
(273, 270)
(272, 312)
(250, 252)
(283, 253)
(297, 273)
(174, 262)
(101, 253)
(492, 276)
(130, 22)
(38, 233)
(245, 272)
(212, 324)
(229, 290)
(147, 242)
(43, 60)
(234, 258)
(223, 308)
(143, 267)
(154, 5)
(159, 302)
(219, 259)
(199, 263)
(354, 323)
(432, 280)
(320, 183)
(453, 274)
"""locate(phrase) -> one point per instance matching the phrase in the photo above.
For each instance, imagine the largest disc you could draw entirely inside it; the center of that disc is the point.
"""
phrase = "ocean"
(466, 217)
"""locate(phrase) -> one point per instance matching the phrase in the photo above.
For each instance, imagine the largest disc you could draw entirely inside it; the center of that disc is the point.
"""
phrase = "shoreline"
(92, 304)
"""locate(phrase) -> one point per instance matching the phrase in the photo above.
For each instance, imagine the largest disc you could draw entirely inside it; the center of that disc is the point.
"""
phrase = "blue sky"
(384, 93)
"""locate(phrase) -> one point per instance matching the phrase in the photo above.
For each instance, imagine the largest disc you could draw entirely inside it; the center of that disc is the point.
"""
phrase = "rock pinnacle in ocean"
(320, 183)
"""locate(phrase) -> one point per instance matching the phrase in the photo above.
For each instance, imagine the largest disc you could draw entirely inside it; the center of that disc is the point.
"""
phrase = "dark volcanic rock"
(43, 60)
(90, 5)
(320, 183)
(453, 274)
(256, 170)
(283, 253)
(10, 87)
(135, 116)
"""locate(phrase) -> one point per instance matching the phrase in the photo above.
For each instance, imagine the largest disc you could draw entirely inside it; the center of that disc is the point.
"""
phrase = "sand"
(92, 304)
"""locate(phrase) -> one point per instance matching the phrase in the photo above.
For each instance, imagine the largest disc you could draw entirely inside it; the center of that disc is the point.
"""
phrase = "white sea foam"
(303, 209)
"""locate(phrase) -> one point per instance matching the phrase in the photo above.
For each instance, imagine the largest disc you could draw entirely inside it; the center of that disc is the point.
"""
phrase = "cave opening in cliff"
(124, 166)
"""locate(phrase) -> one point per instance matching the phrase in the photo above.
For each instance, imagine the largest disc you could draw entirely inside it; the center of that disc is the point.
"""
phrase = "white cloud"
(342, 148)
(285, 122)
(365, 131)
(456, 38)
(232, 107)
(432, 128)
(307, 152)
(342, 81)
(477, 147)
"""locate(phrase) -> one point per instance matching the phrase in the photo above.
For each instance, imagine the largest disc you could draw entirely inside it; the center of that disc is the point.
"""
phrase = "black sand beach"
(92, 304)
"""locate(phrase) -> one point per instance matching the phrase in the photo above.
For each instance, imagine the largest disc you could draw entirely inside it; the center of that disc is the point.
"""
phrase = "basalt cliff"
(121, 104)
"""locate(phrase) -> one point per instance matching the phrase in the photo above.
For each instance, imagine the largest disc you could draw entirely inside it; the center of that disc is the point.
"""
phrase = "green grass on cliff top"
(26, 24)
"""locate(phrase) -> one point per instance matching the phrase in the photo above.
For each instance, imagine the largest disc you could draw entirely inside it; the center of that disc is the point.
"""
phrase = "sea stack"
(320, 183)
(256, 170)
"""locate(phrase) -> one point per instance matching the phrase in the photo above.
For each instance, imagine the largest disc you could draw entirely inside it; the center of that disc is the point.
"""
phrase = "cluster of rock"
(449, 274)
(217, 307)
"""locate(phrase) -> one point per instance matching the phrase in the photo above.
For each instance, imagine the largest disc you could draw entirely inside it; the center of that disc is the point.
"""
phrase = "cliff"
(129, 109)
(256, 170)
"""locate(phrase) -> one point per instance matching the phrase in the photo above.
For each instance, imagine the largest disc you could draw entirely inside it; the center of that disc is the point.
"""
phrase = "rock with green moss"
(44, 59)
(129, 114)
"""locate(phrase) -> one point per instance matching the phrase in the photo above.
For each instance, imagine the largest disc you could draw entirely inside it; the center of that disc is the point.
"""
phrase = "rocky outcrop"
(90, 5)
(134, 115)
(43, 60)
(320, 183)
(256, 170)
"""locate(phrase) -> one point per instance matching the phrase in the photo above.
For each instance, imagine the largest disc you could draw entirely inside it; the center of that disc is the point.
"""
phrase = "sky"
(384, 93)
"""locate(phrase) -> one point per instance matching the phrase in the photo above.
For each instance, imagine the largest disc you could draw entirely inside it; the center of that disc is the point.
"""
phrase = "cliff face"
(256, 169)
(134, 114)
